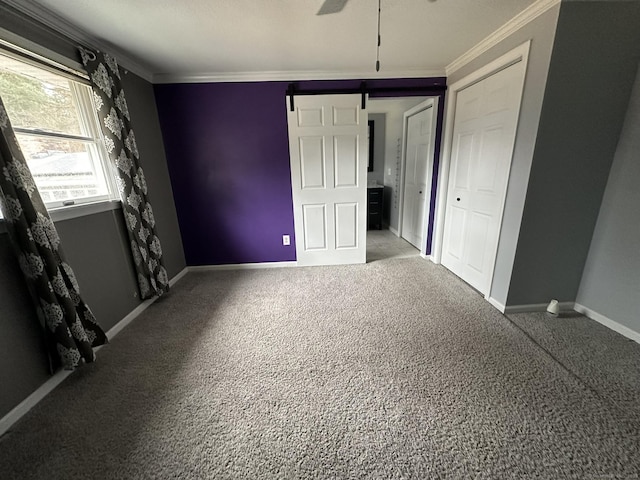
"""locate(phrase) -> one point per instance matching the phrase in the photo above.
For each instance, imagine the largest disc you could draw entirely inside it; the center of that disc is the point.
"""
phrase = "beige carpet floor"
(393, 369)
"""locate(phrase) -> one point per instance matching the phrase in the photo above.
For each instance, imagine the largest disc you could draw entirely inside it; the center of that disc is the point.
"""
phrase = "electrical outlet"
(286, 240)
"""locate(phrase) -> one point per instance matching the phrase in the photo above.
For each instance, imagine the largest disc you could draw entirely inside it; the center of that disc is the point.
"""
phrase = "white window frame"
(91, 136)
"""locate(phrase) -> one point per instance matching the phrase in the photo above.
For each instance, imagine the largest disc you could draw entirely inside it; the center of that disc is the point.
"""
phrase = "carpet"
(393, 369)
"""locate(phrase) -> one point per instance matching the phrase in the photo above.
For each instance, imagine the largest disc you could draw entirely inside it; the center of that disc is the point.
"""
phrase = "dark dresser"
(374, 207)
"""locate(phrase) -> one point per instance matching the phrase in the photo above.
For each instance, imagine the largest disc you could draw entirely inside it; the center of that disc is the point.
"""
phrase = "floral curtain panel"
(71, 330)
(120, 141)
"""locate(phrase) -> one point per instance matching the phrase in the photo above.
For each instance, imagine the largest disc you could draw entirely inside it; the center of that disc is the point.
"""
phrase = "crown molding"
(291, 76)
(76, 34)
(529, 14)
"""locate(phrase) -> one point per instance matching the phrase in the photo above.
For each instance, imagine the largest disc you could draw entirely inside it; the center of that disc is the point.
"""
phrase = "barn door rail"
(293, 90)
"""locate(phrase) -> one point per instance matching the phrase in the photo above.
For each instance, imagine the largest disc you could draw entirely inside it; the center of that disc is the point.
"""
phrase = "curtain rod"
(363, 90)
(42, 61)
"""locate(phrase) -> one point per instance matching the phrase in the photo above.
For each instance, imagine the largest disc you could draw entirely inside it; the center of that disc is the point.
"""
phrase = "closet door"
(486, 118)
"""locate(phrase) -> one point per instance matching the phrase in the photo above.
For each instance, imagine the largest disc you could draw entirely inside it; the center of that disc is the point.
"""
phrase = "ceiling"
(277, 39)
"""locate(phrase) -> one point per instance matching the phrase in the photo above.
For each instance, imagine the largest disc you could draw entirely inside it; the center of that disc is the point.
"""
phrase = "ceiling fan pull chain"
(378, 50)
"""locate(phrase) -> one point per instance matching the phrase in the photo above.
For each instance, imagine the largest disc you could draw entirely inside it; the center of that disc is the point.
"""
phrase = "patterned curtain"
(120, 141)
(70, 328)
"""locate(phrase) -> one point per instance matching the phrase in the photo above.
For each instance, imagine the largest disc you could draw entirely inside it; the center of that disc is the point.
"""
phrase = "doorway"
(389, 119)
(418, 150)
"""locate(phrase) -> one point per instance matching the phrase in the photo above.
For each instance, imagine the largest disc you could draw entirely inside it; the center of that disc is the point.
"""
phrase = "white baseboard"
(47, 387)
(113, 331)
(394, 231)
(428, 257)
(607, 322)
(496, 304)
(587, 312)
(536, 307)
(241, 266)
(118, 327)
(180, 274)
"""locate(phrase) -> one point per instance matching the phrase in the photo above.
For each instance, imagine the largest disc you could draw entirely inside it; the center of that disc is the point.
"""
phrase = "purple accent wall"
(228, 155)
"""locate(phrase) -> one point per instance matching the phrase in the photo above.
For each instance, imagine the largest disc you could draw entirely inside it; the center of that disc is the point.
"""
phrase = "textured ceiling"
(191, 38)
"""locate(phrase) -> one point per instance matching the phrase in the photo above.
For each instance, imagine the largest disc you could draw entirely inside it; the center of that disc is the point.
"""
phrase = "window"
(56, 126)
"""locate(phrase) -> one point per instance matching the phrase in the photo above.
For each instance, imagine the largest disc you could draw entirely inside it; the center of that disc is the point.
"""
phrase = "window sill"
(75, 211)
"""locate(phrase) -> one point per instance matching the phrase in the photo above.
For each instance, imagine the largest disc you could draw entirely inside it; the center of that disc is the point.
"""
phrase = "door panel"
(490, 151)
(312, 162)
(315, 227)
(484, 129)
(456, 225)
(464, 143)
(311, 117)
(346, 225)
(478, 227)
(329, 178)
(346, 116)
(345, 155)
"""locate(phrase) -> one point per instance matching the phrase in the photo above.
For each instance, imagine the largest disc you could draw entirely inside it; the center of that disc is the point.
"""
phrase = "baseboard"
(496, 304)
(607, 322)
(587, 312)
(242, 266)
(57, 378)
(394, 231)
(118, 327)
(178, 276)
(113, 331)
(536, 307)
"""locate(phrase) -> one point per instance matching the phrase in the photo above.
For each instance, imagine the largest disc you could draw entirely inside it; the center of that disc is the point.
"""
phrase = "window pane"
(63, 169)
(37, 99)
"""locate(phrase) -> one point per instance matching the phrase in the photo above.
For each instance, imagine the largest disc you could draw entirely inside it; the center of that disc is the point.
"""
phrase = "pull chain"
(378, 50)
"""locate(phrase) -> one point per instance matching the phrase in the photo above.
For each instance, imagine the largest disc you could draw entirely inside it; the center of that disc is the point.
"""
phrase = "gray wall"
(610, 283)
(377, 176)
(145, 121)
(23, 362)
(541, 32)
(593, 66)
(96, 245)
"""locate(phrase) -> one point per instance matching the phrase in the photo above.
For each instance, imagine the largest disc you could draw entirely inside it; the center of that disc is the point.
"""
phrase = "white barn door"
(486, 118)
(328, 152)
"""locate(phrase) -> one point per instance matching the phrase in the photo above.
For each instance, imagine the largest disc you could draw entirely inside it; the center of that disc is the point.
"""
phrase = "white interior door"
(486, 117)
(417, 172)
(328, 152)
